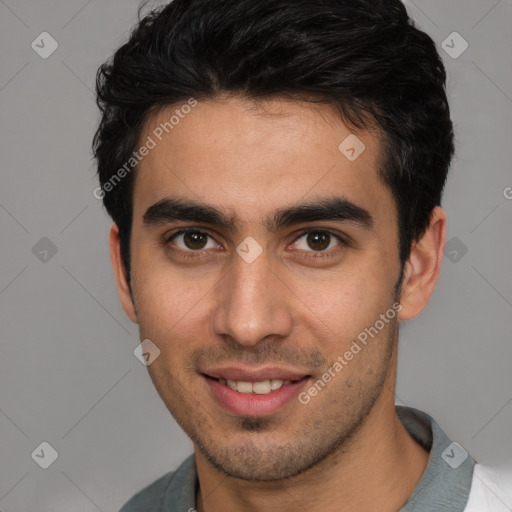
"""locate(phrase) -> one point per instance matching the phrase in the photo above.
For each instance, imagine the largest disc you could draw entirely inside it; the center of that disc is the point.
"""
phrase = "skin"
(346, 449)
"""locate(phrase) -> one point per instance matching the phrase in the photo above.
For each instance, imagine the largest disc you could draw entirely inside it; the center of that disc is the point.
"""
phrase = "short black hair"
(364, 58)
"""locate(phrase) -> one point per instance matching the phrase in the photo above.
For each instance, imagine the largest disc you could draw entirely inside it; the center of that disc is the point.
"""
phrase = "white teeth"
(244, 387)
(260, 388)
(275, 384)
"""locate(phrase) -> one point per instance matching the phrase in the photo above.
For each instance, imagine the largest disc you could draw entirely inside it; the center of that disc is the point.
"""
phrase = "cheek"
(160, 290)
(345, 304)
(171, 308)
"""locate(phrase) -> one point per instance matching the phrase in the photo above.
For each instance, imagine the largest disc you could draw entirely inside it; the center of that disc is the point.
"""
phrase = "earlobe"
(120, 274)
(423, 267)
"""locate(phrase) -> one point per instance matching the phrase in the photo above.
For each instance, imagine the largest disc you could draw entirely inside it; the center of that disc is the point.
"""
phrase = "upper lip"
(253, 375)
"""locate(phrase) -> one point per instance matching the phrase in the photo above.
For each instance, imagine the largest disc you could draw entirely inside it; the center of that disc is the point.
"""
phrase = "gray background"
(68, 375)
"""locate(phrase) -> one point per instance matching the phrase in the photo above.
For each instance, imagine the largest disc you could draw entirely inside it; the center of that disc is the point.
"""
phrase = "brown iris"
(193, 240)
(318, 239)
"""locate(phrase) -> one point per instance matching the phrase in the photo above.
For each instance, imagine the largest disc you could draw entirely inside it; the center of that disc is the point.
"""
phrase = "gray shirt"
(444, 485)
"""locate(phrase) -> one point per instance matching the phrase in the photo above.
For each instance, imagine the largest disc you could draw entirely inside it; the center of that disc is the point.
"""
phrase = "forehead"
(250, 158)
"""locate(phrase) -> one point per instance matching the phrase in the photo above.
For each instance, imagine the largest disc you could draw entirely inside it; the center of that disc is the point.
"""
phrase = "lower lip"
(254, 405)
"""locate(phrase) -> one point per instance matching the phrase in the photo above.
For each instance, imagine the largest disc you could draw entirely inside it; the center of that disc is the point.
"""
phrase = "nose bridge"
(252, 302)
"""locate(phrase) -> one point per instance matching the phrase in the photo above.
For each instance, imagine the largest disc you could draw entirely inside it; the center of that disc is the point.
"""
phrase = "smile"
(260, 398)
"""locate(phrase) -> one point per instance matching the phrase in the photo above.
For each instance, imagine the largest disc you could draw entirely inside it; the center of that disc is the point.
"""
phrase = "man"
(274, 170)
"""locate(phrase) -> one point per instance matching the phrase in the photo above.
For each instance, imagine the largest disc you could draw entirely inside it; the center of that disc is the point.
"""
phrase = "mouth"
(254, 398)
(262, 387)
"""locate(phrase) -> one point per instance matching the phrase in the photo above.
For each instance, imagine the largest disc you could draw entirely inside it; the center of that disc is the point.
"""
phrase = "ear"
(423, 267)
(120, 274)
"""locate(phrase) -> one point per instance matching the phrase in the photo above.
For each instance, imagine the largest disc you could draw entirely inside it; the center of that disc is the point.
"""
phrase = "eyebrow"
(172, 209)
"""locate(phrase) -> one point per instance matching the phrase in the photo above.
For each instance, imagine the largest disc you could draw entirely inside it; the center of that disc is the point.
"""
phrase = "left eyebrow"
(340, 209)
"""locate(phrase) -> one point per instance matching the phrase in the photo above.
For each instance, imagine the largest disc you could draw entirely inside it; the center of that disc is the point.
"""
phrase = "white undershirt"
(491, 491)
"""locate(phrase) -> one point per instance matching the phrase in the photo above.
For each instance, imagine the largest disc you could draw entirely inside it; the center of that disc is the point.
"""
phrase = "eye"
(191, 243)
(319, 241)
(192, 240)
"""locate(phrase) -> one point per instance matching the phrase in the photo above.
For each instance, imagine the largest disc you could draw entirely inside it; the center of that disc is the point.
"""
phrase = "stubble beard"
(249, 451)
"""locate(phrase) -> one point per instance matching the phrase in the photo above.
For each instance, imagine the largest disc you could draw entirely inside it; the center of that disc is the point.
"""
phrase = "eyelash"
(317, 254)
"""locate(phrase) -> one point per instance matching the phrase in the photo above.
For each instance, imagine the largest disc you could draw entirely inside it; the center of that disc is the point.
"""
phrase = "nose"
(252, 303)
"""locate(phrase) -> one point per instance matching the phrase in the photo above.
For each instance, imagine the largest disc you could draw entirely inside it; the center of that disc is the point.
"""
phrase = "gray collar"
(444, 485)
(446, 481)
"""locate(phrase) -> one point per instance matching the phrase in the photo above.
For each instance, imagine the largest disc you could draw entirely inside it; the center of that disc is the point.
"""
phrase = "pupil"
(192, 238)
(313, 240)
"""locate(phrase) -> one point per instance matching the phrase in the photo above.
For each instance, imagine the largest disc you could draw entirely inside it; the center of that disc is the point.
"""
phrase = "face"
(290, 251)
